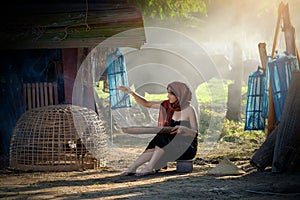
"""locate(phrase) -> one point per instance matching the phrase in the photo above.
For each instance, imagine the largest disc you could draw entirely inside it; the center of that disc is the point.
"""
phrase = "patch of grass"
(100, 92)
(213, 91)
(234, 132)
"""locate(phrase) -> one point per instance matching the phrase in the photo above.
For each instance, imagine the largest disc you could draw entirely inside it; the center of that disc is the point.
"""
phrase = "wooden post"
(42, 94)
(55, 93)
(89, 88)
(263, 59)
(263, 55)
(50, 89)
(289, 32)
(271, 113)
(70, 72)
(46, 94)
(29, 96)
(281, 6)
(33, 95)
(25, 95)
(37, 94)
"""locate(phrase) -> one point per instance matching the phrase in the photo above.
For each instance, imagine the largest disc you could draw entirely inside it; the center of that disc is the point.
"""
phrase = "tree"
(234, 103)
(164, 9)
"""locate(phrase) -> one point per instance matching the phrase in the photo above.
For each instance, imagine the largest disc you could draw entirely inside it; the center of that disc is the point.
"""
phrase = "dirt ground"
(95, 184)
(106, 183)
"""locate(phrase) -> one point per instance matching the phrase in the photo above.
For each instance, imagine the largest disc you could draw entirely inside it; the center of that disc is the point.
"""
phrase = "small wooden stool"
(184, 166)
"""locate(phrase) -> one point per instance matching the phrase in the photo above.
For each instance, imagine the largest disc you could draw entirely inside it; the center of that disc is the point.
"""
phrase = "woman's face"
(171, 96)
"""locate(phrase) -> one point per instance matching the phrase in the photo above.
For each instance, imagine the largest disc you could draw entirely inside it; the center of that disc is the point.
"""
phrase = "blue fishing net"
(256, 85)
(117, 75)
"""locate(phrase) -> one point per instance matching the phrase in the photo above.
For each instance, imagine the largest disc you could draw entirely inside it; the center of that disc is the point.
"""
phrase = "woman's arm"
(193, 119)
(193, 131)
(141, 100)
(184, 130)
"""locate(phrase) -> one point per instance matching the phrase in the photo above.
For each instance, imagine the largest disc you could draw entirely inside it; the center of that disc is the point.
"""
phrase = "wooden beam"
(281, 7)
(271, 122)
(72, 26)
(263, 55)
(263, 59)
(289, 32)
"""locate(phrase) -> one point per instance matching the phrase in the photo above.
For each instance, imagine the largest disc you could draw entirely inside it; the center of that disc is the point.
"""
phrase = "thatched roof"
(69, 24)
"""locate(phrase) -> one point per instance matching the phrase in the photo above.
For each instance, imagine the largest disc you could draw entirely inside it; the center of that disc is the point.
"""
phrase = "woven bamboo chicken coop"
(58, 138)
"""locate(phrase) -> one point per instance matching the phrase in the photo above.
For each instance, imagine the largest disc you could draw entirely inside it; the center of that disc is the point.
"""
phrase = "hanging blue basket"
(280, 74)
(117, 75)
(254, 107)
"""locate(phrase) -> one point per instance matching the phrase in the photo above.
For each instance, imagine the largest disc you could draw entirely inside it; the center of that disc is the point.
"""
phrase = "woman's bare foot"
(129, 172)
(146, 171)
(125, 173)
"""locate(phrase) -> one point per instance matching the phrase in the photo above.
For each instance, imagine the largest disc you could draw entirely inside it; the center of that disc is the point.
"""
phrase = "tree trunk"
(234, 103)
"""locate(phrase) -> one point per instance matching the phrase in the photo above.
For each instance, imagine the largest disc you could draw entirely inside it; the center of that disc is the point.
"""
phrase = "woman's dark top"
(176, 146)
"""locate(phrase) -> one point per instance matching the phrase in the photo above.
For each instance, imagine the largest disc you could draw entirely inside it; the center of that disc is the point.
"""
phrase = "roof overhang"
(65, 25)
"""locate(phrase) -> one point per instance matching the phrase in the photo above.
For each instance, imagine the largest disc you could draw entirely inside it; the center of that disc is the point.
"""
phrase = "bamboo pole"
(263, 55)
(271, 123)
(280, 9)
(289, 32)
(263, 59)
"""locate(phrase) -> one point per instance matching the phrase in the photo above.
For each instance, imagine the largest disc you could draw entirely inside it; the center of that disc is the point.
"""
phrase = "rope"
(88, 28)
(67, 32)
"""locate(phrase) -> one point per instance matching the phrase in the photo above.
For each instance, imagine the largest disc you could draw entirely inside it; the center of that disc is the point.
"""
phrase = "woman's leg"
(143, 158)
(156, 155)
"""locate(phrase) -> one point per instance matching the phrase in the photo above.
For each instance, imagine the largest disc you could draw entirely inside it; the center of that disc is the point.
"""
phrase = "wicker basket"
(58, 138)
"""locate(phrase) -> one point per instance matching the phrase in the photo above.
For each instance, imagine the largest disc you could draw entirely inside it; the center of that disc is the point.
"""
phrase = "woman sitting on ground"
(181, 143)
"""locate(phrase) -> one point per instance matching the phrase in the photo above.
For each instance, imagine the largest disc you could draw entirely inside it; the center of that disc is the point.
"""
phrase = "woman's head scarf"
(167, 109)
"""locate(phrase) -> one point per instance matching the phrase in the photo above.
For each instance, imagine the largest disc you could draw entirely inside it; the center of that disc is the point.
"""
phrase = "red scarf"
(167, 109)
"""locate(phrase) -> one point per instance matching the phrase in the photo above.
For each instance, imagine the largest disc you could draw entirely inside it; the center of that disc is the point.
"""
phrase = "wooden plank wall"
(40, 94)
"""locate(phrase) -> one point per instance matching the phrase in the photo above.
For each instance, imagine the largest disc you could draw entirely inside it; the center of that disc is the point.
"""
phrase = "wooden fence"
(40, 94)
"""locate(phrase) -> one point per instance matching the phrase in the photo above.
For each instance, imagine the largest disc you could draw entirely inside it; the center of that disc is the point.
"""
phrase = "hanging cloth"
(280, 72)
(254, 107)
(117, 75)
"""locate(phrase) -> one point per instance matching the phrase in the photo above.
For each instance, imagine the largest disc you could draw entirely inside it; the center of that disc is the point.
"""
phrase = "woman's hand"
(183, 130)
(125, 89)
(178, 130)
(140, 99)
